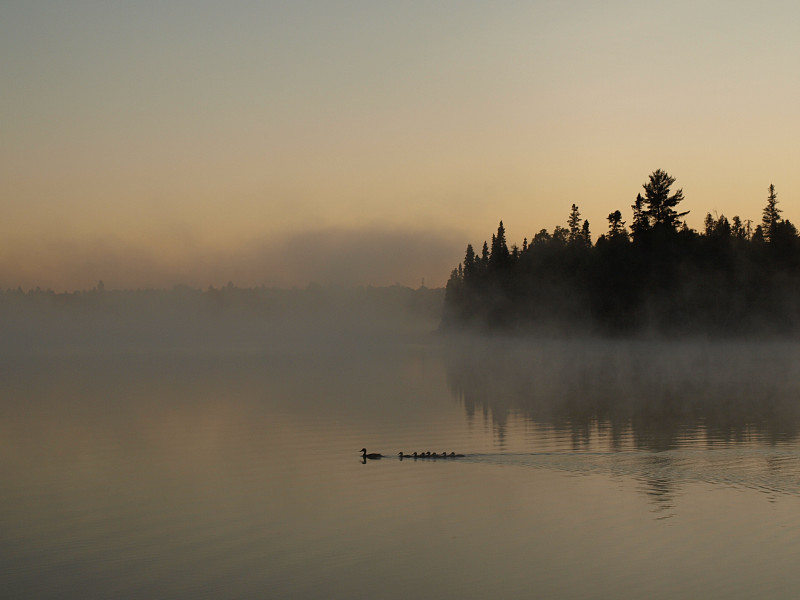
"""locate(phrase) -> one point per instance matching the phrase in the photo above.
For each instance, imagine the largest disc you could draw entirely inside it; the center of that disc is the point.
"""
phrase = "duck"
(402, 456)
(454, 455)
(371, 456)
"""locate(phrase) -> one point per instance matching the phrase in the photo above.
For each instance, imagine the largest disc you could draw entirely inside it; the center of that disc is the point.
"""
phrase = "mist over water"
(723, 390)
(186, 445)
(667, 412)
(213, 320)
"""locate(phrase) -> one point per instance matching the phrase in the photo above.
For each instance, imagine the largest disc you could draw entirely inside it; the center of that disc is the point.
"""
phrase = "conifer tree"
(660, 205)
(737, 229)
(722, 227)
(574, 224)
(771, 215)
(641, 222)
(586, 235)
(708, 223)
(616, 226)
(469, 263)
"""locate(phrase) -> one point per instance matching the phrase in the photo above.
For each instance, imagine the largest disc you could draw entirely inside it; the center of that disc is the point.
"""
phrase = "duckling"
(402, 456)
(371, 456)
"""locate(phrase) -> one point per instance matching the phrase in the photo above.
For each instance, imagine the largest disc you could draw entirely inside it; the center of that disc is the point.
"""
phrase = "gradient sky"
(188, 141)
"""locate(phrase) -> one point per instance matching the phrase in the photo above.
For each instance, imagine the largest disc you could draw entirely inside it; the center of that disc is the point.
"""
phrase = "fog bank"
(377, 256)
(315, 319)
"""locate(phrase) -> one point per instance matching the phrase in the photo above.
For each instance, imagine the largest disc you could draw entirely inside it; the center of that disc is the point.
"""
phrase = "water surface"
(592, 470)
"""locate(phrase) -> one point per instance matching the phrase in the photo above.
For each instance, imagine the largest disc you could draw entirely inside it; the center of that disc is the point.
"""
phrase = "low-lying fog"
(215, 320)
(661, 389)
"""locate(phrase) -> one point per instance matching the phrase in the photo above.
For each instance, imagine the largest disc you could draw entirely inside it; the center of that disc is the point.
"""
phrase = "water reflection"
(664, 413)
(659, 488)
(647, 395)
(238, 475)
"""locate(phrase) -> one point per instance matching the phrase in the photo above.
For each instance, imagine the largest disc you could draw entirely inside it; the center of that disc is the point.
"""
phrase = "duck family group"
(429, 455)
(415, 455)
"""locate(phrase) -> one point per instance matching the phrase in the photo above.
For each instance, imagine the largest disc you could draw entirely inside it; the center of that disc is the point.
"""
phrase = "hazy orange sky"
(278, 143)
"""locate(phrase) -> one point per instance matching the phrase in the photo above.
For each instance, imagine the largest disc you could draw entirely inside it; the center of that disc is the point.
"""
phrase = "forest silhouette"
(655, 276)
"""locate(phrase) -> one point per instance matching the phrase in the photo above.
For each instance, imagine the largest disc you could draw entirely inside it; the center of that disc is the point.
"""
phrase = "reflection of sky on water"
(238, 475)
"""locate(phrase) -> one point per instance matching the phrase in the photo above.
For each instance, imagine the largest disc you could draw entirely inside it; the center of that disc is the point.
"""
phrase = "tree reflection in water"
(649, 393)
(665, 398)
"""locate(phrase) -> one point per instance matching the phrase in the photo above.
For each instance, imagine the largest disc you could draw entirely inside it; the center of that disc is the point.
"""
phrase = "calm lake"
(591, 470)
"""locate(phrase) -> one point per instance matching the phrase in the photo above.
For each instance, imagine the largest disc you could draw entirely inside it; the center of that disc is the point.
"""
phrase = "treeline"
(229, 300)
(655, 275)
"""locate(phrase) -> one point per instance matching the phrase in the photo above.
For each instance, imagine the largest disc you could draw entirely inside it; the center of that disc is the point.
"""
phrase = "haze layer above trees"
(654, 275)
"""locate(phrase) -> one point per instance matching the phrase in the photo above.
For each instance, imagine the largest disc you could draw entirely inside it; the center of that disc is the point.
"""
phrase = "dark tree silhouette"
(586, 234)
(574, 224)
(616, 226)
(470, 265)
(499, 254)
(659, 204)
(666, 277)
(771, 214)
(641, 222)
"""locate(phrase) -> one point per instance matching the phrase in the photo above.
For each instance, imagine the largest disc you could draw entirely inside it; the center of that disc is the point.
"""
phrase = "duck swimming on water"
(371, 456)
(416, 455)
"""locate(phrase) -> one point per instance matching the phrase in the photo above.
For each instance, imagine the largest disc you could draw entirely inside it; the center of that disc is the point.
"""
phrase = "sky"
(194, 142)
